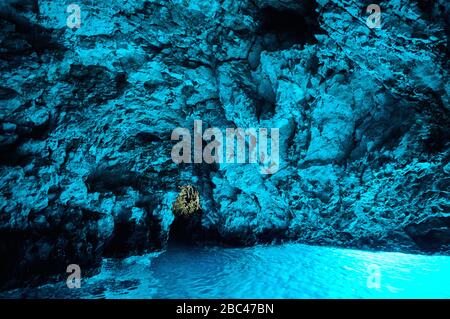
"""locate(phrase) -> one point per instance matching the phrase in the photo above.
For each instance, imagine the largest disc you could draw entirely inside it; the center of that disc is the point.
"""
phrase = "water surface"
(287, 271)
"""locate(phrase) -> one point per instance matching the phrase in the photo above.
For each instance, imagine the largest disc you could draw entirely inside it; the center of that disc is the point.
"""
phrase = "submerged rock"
(87, 114)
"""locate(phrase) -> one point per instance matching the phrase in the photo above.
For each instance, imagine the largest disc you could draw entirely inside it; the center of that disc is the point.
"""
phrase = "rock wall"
(87, 114)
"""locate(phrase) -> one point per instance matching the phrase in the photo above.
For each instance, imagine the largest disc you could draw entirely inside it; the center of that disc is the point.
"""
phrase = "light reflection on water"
(287, 271)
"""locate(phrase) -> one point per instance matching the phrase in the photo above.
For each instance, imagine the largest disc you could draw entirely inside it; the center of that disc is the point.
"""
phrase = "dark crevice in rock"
(437, 140)
(10, 157)
(133, 236)
(54, 238)
(432, 235)
(288, 26)
(147, 137)
(25, 5)
(185, 230)
(10, 153)
(94, 85)
(265, 108)
(7, 93)
(115, 179)
(427, 7)
(39, 38)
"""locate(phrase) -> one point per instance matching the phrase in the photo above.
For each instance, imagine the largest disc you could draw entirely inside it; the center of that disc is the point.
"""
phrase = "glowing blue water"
(288, 271)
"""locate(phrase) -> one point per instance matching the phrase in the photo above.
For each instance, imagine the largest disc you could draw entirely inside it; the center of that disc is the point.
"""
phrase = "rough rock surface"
(87, 114)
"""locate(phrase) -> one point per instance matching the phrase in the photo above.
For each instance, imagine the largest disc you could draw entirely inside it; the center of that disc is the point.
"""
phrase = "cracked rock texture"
(86, 117)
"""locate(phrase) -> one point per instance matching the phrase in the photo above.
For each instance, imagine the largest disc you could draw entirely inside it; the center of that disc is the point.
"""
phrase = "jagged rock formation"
(86, 117)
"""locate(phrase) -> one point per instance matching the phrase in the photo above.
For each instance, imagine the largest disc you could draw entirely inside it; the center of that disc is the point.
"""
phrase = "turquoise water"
(287, 271)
